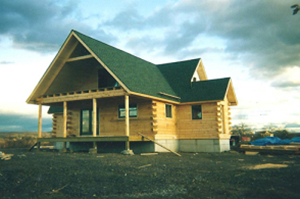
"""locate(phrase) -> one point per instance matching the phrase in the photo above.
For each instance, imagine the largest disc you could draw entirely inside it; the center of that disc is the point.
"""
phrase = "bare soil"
(51, 174)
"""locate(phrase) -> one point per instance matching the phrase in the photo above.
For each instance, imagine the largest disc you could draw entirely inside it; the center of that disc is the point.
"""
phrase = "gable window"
(105, 80)
(132, 110)
(196, 112)
(168, 110)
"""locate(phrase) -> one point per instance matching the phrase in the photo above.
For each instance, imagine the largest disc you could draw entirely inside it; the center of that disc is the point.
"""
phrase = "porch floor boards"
(92, 139)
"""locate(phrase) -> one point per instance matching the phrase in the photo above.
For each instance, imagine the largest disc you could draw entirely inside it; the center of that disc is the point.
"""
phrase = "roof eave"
(32, 96)
(230, 94)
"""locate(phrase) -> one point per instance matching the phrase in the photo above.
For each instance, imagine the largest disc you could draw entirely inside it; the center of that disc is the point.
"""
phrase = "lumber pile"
(283, 149)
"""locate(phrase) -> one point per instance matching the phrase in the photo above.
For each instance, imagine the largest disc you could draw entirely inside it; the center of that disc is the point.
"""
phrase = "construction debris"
(149, 153)
(251, 153)
(267, 166)
(22, 156)
(56, 190)
(147, 165)
(4, 156)
(283, 149)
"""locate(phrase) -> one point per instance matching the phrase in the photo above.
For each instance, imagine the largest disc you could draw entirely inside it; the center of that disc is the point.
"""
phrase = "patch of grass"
(19, 140)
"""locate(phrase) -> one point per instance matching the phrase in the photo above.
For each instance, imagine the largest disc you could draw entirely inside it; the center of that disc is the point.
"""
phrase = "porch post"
(127, 133)
(94, 117)
(65, 119)
(40, 122)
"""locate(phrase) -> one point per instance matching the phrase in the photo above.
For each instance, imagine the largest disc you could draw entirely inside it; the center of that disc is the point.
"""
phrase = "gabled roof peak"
(168, 81)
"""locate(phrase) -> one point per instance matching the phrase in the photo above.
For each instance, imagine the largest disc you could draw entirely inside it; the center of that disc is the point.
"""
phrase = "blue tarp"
(296, 139)
(273, 141)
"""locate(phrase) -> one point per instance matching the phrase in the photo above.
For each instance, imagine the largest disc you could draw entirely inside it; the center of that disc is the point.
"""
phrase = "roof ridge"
(178, 62)
(215, 79)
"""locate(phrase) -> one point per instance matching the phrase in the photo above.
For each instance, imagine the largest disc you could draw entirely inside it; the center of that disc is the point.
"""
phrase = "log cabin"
(103, 98)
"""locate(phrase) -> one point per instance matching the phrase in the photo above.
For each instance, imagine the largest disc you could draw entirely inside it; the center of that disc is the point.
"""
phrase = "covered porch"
(66, 127)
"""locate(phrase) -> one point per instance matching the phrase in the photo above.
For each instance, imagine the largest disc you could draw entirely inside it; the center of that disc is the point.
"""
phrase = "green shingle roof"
(137, 74)
(208, 90)
(144, 77)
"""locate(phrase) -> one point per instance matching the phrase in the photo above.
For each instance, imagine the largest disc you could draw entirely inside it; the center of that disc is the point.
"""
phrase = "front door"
(86, 123)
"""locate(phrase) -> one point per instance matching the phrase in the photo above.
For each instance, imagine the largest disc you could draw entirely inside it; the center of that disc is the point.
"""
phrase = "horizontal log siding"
(165, 128)
(205, 128)
(112, 125)
(109, 123)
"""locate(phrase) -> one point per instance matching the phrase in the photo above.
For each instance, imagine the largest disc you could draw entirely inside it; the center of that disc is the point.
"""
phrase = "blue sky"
(255, 42)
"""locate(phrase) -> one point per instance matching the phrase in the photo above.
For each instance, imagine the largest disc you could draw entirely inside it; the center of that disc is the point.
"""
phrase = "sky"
(256, 43)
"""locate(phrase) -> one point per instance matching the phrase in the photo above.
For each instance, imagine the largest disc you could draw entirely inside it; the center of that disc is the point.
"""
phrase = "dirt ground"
(51, 174)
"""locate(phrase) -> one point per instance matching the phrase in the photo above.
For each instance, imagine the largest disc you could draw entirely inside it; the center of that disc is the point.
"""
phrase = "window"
(132, 110)
(196, 112)
(86, 125)
(168, 110)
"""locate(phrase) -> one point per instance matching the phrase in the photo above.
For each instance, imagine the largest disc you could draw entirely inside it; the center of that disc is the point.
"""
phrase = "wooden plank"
(65, 119)
(127, 115)
(76, 96)
(94, 117)
(40, 121)
(79, 58)
(127, 127)
(84, 139)
(147, 165)
(149, 153)
(32, 146)
(160, 144)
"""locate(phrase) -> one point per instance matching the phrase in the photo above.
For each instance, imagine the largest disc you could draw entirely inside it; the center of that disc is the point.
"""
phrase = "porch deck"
(93, 139)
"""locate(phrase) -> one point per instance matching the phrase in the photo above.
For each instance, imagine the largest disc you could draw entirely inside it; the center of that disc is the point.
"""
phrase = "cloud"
(42, 25)
(285, 83)
(6, 62)
(21, 123)
(289, 78)
(262, 34)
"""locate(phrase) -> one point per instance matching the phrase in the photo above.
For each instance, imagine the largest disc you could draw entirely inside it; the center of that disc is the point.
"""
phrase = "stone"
(127, 152)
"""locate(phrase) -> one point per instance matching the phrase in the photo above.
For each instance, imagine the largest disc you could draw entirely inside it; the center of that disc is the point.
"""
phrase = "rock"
(127, 152)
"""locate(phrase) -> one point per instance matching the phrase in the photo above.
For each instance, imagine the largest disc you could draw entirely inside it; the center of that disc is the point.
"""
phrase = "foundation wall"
(207, 145)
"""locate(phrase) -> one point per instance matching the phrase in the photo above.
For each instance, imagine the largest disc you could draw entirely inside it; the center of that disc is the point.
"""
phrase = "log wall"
(205, 128)
(109, 122)
(164, 127)
(151, 119)
(112, 125)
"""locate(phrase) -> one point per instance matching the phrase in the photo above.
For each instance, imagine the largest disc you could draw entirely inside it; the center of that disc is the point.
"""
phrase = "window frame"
(169, 110)
(132, 106)
(193, 107)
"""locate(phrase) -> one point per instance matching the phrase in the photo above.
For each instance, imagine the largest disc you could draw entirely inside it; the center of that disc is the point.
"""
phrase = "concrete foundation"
(170, 144)
(207, 145)
(213, 145)
(112, 147)
(60, 145)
